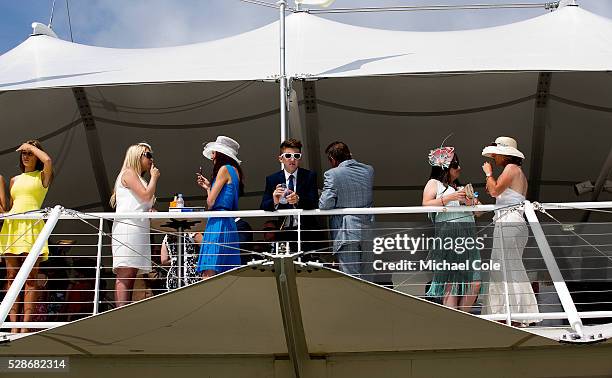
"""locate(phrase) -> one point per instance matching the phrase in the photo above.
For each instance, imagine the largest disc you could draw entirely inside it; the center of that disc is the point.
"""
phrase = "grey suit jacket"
(348, 185)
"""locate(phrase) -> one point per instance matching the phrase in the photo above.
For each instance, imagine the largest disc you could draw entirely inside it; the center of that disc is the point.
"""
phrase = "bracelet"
(488, 175)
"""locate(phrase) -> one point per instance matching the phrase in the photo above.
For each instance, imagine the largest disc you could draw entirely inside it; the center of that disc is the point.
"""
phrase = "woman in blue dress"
(220, 244)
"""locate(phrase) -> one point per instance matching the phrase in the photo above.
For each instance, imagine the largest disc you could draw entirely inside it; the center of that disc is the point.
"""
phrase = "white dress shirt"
(292, 221)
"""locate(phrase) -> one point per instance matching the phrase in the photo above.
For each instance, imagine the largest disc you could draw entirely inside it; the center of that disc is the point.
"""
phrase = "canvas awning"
(391, 95)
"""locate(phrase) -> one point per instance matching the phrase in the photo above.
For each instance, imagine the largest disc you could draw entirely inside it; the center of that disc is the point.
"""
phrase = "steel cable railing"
(78, 281)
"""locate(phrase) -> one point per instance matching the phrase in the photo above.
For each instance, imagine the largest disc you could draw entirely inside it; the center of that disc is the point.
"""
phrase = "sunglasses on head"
(148, 155)
(289, 155)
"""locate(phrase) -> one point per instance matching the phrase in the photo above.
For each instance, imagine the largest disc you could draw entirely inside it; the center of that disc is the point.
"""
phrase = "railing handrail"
(316, 212)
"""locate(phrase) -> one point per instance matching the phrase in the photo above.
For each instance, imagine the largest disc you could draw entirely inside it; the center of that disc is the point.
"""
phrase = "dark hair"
(509, 159)
(39, 164)
(221, 160)
(291, 143)
(274, 224)
(443, 174)
(338, 151)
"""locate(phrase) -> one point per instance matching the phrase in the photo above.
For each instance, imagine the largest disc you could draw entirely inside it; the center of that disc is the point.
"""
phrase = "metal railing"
(174, 255)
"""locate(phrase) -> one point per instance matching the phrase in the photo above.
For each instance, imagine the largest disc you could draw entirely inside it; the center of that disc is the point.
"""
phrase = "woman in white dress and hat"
(510, 234)
(220, 244)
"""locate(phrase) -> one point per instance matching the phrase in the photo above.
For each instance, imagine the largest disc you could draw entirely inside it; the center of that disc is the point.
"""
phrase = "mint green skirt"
(454, 282)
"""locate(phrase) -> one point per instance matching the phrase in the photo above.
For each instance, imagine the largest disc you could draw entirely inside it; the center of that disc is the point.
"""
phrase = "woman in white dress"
(131, 244)
(510, 234)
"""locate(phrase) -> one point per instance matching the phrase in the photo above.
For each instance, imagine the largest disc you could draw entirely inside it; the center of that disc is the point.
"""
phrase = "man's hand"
(293, 198)
(278, 193)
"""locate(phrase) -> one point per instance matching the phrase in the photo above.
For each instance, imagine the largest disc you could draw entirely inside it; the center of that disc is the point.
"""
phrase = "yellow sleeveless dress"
(18, 235)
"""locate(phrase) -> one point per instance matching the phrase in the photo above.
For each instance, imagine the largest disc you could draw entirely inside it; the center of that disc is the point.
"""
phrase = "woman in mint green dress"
(456, 288)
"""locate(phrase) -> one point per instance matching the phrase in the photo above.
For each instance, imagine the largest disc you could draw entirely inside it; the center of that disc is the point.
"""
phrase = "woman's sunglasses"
(148, 155)
(454, 165)
(295, 155)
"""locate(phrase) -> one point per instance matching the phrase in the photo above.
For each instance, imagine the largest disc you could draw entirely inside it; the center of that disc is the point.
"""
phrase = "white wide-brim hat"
(503, 146)
(223, 144)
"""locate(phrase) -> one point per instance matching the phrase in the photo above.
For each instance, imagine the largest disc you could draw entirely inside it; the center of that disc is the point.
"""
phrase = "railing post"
(13, 291)
(180, 258)
(299, 232)
(564, 295)
(98, 268)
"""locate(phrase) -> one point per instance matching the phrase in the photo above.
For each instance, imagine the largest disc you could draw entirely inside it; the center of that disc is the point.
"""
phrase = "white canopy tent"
(391, 95)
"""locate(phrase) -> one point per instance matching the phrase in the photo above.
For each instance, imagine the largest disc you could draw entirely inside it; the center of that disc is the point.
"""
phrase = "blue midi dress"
(220, 244)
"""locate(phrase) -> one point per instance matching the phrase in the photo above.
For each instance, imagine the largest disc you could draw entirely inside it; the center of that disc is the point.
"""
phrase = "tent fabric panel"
(360, 317)
(237, 313)
(569, 39)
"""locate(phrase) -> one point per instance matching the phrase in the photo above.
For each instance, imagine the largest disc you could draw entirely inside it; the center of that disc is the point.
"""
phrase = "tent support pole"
(284, 271)
(283, 74)
(538, 137)
(93, 143)
(312, 128)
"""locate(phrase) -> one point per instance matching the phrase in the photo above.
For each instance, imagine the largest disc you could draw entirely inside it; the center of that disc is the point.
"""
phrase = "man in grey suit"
(347, 184)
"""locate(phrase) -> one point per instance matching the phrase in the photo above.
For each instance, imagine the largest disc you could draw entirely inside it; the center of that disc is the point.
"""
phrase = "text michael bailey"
(411, 244)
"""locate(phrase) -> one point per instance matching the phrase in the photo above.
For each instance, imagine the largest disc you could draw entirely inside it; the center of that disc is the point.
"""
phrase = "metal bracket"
(573, 338)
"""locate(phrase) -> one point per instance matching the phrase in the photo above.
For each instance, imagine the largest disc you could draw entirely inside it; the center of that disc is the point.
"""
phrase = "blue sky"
(153, 23)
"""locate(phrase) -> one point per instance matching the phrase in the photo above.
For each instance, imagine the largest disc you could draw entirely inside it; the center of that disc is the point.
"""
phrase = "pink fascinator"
(442, 156)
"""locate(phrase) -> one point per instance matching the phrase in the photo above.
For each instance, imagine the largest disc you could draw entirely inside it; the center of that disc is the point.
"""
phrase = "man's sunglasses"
(295, 155)
(148, 155)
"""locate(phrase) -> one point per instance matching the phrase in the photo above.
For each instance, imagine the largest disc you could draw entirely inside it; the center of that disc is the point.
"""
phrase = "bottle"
(283, 199)
(173, 202)
(180, 202)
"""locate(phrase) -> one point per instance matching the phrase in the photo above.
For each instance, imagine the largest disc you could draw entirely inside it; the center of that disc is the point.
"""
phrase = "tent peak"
(42, 29)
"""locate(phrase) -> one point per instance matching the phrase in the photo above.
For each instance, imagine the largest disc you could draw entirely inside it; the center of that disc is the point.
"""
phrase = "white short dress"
(131, 237)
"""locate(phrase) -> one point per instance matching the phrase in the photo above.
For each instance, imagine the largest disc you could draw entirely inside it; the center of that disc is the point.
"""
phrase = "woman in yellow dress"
(28, 191)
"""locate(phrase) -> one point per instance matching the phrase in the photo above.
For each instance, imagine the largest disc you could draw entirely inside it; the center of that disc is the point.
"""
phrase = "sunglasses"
(148, 155)
(454, 165)
(295, 155)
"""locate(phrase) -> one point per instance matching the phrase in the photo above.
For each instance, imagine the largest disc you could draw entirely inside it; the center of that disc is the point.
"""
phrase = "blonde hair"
(130, 162)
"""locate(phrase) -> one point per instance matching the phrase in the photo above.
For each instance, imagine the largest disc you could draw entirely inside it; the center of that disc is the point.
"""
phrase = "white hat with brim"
(503, 146)
(223, 144)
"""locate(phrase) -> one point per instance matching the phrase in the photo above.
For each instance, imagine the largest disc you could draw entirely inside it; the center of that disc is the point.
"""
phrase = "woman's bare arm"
(3, 200)
(47, 172)
(222, 178)
(496, 187)
(130, 180)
